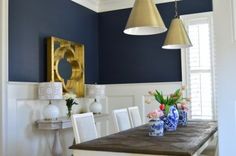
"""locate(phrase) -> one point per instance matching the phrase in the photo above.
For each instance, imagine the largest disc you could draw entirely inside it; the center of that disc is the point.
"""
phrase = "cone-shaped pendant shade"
(177, 36)
(144, 19)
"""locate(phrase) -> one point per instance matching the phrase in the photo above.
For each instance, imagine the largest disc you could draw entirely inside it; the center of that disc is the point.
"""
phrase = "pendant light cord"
(176, 10)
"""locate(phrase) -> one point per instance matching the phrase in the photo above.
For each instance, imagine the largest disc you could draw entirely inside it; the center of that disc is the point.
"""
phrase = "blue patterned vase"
(183, 116)
(156, 127)
(171, 120)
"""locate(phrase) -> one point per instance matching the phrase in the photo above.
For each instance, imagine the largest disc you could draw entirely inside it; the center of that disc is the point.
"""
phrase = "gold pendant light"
(177, 36)
(144, 19)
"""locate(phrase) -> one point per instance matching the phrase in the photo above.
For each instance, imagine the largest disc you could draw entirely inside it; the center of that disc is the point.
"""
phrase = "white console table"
(59, 124)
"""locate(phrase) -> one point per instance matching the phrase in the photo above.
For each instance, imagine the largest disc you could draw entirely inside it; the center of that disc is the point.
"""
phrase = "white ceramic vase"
(95, 107)
(51, 112)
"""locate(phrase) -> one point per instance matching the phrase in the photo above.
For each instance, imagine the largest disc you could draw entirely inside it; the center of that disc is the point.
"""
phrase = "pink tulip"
(148, 101)
(155, 114)
(151, 93)
(188, 99)
(182, 106)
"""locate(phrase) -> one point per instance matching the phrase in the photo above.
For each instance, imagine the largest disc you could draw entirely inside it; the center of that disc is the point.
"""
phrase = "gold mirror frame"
(74, 54)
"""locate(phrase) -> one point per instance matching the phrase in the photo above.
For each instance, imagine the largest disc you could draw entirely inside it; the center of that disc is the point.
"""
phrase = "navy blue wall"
(110, 55)
(31, 21)
(135, 59)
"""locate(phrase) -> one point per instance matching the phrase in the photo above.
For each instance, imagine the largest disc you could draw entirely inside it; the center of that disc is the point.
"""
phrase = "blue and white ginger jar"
(171, 119)
(183, 117)
(156, 127)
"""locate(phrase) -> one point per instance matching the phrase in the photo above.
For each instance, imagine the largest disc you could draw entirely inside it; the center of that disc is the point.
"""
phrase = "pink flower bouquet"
(155, 114)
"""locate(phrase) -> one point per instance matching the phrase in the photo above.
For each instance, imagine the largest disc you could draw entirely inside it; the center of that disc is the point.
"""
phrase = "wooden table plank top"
(183, 142)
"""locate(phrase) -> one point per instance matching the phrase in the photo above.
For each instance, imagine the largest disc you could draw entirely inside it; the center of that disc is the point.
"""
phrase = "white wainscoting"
(127, 95)
(23, 138)
(23, 109)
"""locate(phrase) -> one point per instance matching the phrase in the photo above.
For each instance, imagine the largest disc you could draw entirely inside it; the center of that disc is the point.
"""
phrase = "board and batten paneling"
(24, 109)
(127, 95)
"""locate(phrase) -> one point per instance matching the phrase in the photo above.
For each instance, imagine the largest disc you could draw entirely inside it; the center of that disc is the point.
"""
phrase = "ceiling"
(109, 5)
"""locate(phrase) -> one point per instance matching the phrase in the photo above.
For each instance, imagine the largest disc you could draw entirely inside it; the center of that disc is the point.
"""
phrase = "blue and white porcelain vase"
(183, 117)
(171, 119)
(156, 127)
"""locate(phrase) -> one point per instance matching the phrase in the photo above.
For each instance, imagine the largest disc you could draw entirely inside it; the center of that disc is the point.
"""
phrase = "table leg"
(57, 148)
(217, 148)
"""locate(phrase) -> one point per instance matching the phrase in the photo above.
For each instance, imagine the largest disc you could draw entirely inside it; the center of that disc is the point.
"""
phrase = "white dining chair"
(121, 119)
(84, 127)
(134, 116)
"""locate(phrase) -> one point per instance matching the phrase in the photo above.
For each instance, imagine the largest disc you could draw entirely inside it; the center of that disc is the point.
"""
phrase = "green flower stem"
(69, 104)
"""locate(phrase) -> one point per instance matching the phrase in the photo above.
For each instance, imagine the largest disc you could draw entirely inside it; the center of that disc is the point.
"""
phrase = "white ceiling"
(109, 5)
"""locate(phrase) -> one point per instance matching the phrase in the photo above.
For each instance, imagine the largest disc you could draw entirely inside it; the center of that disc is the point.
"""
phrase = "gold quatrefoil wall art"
(66, 64)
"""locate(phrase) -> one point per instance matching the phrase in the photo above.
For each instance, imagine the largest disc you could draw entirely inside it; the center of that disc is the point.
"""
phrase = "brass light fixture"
(144, 19)
(177, 36)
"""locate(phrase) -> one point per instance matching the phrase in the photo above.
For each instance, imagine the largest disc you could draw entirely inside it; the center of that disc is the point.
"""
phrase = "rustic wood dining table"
(188, 140)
